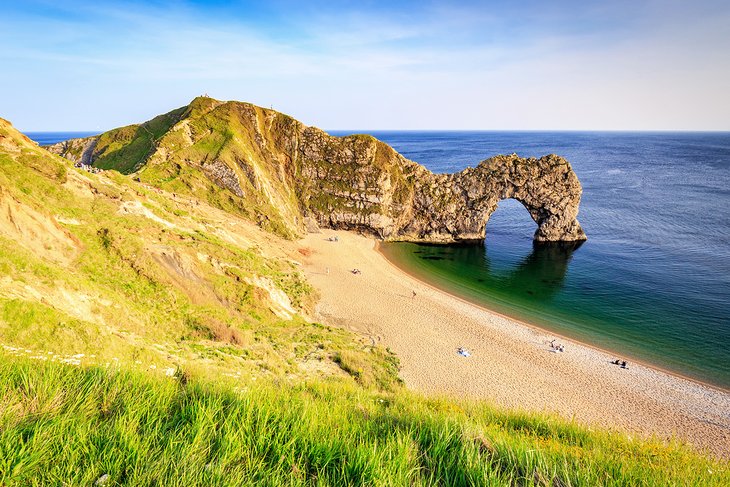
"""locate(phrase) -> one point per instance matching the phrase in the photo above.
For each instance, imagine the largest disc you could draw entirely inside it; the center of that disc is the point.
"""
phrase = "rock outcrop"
(458, 206)
(78, 151)
(280, 172)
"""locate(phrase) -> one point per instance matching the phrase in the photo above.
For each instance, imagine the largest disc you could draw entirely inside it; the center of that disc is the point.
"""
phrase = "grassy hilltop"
(150, 337)
(251, 161)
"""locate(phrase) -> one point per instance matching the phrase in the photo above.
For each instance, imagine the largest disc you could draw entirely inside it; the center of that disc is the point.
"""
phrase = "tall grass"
(62, 425)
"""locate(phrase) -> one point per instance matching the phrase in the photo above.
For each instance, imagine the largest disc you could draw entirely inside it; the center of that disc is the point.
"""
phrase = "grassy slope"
(187, 289)
(222, 133)
(126, 149)
(61, 425)
(262, 399)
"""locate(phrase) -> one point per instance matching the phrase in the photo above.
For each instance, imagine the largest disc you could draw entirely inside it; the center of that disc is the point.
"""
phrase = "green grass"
(257, 399)
(214, 131)
(64, 425)
(125, 149)
(116, 301)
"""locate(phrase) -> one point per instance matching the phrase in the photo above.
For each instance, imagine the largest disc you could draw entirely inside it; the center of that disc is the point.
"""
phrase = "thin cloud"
(496, 65)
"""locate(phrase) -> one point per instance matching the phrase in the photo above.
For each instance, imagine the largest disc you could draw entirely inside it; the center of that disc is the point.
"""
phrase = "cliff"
(98, 269)
(278, 172)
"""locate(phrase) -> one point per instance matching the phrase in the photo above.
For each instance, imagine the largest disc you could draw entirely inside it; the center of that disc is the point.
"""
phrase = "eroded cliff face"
(458, 206)
(360, 182)
(281, 172)
(78, 151)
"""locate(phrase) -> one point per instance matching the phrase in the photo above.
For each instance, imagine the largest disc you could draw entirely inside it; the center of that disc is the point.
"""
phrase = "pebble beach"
(511, 364)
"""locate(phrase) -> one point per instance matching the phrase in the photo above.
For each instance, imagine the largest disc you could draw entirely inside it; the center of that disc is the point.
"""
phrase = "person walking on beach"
(414, 295)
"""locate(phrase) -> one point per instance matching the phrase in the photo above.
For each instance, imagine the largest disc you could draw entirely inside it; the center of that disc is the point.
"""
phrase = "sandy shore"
(511, 364)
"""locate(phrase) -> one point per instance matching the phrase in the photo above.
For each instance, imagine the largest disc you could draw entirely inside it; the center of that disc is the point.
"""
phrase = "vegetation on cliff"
(276, 171)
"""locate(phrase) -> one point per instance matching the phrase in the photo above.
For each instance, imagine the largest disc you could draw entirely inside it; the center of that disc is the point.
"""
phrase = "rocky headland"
(287, 176)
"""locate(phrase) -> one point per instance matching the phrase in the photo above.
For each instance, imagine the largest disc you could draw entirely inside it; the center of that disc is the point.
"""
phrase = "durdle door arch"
(457, 207)
(291, 172)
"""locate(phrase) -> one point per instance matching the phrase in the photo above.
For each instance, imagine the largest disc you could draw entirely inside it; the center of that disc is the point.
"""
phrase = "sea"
(48, 138)
(651, 283)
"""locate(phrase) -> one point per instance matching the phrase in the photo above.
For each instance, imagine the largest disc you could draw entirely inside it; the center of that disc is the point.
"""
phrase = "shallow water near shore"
(653, 280)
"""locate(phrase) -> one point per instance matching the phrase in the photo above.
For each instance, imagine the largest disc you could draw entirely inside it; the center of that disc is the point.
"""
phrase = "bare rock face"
(76, 150)
(458, 206)
(285, 173)
(358, 182)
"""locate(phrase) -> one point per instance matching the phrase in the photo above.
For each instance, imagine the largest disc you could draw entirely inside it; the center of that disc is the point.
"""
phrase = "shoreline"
(542, 329)
(511, 364)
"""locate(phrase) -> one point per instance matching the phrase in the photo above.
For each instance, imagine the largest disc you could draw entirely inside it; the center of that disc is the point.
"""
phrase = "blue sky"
(585, 65)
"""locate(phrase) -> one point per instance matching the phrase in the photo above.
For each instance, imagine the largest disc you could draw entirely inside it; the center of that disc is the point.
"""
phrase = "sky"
(358, 65)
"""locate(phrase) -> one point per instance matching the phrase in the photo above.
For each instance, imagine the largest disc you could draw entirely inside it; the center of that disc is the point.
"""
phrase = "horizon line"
(473, 130)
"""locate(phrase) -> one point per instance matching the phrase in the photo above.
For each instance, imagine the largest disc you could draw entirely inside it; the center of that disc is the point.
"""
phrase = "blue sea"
(48, 138)
(653, 280)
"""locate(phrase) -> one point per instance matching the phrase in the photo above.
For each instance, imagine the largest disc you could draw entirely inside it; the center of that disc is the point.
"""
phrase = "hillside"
(278, 172)
(100, 269)
(148, 337)
(63, 425)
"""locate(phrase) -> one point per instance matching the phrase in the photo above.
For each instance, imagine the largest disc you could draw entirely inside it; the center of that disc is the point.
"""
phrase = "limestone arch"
(512, 210)
(548, 189)
(456, 207)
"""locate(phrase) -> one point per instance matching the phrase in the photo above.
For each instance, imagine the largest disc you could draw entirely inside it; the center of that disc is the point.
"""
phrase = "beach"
(511, 364)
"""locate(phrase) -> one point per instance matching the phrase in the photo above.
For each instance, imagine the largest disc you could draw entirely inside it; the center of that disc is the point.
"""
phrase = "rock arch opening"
(510, 219)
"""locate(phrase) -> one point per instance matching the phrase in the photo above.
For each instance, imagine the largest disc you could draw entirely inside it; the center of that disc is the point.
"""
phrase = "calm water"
(48, 138)
(652, 281)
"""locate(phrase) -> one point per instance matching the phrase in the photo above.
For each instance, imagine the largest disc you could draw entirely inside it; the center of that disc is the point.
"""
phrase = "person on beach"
(556, 348)
(463, 352)
(414, 295)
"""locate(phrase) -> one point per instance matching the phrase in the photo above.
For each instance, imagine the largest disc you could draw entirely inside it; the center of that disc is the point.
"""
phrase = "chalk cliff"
(282, 173)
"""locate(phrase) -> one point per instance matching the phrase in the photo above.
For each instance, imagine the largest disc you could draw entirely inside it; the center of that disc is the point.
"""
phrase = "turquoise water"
(653, 280)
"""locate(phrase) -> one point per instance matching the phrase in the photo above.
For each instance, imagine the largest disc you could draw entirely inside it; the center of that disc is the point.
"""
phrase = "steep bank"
(98, 269)
(278, 172)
